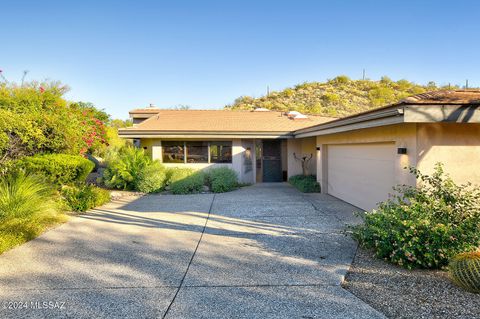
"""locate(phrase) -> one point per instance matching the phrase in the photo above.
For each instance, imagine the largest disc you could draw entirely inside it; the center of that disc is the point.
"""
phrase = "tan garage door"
(361, 174)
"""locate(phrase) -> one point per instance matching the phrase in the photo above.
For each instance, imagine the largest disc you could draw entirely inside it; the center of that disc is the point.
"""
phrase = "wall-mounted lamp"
(402, 150)
(318, 148)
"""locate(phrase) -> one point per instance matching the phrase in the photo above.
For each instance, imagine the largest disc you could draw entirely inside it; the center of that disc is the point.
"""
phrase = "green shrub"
(58, 169)
(424, 226)
(222, 179)
(186, 181)
(464, 270)
(124, 168)
(305, 184)
(84, 197)
(176, 173)
(152, 178)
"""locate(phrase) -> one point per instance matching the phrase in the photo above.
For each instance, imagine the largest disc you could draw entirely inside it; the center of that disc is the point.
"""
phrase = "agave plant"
(23, 195)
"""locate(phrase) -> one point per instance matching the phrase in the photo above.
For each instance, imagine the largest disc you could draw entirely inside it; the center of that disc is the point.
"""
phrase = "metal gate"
(272, 161)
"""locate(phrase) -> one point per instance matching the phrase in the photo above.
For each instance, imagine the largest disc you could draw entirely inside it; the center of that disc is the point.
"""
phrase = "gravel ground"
(401, 293)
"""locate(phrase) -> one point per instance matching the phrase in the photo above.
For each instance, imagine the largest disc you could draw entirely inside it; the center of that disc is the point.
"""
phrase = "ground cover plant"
(84, 197)
(424, 226)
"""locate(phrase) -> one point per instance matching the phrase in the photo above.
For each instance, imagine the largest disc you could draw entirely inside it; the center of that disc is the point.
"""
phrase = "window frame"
(185, 152)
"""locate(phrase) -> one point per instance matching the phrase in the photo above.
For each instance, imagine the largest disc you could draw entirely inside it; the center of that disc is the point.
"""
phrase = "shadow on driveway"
(264, 251)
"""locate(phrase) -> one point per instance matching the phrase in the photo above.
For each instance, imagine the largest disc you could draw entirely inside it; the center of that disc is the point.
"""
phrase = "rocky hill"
(340, 96)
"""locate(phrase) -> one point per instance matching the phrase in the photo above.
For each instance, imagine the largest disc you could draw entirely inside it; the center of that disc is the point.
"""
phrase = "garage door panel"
(361, 174)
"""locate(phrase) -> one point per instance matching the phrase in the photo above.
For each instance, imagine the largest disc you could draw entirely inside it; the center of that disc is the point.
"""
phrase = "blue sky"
(126, 54)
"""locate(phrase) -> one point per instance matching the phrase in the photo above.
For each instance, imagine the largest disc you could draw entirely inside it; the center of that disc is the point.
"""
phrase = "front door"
(272, 161)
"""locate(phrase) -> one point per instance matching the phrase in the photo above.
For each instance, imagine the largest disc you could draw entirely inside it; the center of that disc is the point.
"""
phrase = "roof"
(445, 97)
(436, 106)
(149, 110)
(222, 121)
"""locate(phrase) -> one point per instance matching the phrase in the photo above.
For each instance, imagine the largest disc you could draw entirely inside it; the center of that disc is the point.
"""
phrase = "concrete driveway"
(265, 251)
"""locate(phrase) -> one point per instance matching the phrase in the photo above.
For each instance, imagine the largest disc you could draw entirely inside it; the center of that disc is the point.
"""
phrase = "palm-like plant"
(124, 168)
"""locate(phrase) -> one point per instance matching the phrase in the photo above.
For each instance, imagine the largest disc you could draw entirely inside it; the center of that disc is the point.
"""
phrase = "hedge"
(60, 169)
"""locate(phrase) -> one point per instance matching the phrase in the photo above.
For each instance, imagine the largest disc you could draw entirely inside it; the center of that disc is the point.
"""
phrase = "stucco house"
(357, 158)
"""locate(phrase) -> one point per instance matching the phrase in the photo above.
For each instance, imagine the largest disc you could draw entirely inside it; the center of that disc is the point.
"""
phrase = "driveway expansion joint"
(191, 259)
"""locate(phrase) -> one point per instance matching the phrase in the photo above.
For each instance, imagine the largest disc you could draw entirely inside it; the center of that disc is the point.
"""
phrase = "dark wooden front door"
(272, 161)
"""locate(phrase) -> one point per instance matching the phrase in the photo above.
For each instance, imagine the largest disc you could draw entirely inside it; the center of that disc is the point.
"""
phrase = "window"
(220, 152)
(197, 152)
(173, 152)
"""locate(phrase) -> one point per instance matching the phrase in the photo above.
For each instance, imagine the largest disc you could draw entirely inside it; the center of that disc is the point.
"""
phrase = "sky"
(122, 55)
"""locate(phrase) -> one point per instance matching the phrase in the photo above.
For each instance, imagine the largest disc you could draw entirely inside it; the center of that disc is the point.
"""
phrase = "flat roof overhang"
(396, 114)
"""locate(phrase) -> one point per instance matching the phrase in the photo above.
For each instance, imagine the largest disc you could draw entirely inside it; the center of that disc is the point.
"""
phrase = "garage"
(361, 174)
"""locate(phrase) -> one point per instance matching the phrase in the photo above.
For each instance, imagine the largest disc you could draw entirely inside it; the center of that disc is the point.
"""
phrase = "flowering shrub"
(92, 124)
(35, 118)
(424, 226)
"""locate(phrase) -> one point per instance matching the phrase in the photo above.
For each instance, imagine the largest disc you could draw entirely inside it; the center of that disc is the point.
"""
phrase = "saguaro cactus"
(464, 270)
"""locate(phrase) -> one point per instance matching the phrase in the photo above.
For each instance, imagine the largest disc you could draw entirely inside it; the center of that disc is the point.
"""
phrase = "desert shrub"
(58, 169)
(305, 184)
(22, 196)
(174, 174)
(152, 178)
(83, 197)
(124, 168)
(424, 226)
(222, 179)
(186, 181)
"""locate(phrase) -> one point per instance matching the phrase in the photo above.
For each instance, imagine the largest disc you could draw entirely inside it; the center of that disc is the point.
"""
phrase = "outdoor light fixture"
(318, 148)
(402, 150)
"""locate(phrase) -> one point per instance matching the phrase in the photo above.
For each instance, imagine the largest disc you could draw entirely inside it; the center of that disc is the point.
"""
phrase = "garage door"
(361, 174)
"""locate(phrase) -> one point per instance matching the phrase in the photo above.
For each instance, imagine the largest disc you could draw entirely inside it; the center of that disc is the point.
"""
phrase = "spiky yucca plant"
(464, 270)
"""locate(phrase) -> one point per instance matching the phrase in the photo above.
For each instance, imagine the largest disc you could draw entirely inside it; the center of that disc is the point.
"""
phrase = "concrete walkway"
(265, 251)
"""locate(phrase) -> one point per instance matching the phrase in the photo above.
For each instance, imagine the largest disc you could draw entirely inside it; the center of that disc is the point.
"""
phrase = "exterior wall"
(301, 147)
(402, 135)
(457, 146)
(153, 147)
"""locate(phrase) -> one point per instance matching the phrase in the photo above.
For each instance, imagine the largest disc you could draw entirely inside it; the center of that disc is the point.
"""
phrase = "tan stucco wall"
(457, 146)
(402, 135)
(301, 147)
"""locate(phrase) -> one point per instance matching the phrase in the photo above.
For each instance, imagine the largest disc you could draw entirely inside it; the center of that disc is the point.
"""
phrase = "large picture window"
(220, 152)
(197, 152)
(173, 152)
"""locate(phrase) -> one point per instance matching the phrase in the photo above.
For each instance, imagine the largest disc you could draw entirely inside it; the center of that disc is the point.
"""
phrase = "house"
(357, 158)
(258, 145)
